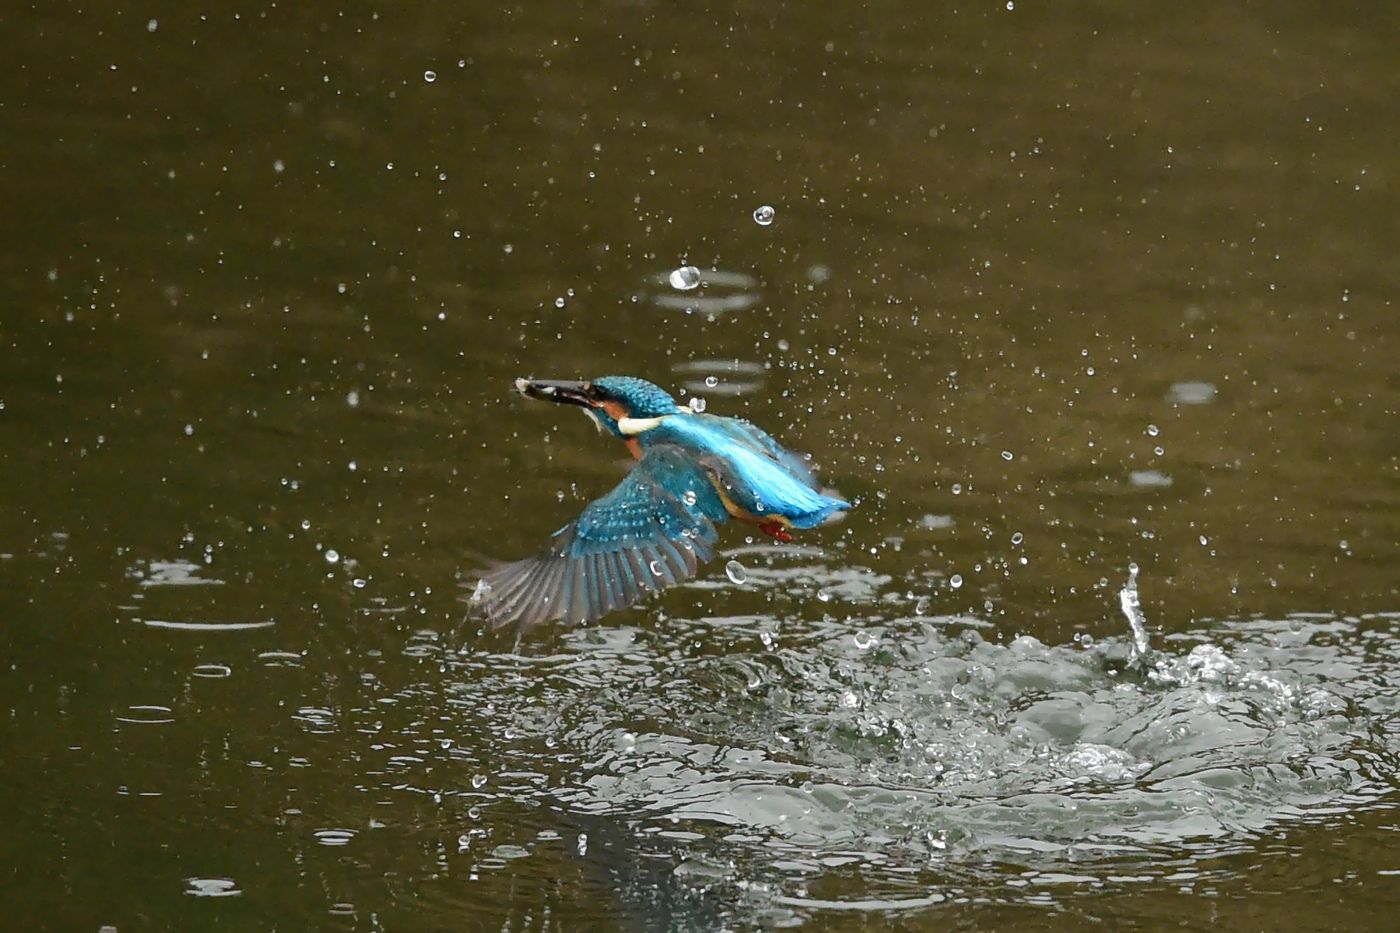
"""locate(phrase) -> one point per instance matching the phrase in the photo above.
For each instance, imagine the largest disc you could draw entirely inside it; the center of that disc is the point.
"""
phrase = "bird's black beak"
(558, 390)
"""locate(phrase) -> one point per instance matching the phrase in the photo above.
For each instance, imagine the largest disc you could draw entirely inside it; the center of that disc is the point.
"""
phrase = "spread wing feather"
(650, 532)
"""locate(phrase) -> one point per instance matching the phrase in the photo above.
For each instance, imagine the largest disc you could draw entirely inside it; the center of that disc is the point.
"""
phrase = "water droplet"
(352, 398)
(306, 524)
(152, 25)
(1007, 455)
(689, 498)
(655, 568)
(559, 302)
(583, 844)
(478, 781)
(763, 216)
(957, 489)
(921, 605)
(955, 581)
(1017, 538)
(864, 640)
(1152, 430)
(358, 583)
(279, 166)
(685, 278)
(735, 572)
(711, 382)
(430, 76)
(697, 403)
(332, 556)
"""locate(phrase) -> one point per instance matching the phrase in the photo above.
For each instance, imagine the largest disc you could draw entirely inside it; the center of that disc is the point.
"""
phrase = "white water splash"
(1132, 608)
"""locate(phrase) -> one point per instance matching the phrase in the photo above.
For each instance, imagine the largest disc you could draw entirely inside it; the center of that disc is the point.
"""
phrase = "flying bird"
(694, 471)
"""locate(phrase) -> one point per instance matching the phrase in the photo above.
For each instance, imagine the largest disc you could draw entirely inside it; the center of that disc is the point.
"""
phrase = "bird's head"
(625, 406)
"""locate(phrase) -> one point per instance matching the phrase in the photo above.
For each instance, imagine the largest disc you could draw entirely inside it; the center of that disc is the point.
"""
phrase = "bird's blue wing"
(652, 531)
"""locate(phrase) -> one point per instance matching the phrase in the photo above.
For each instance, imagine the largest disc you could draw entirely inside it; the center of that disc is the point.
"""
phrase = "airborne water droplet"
(736, 572)
(430, 76)
(685, 278)
(763, 216)
(955, 581)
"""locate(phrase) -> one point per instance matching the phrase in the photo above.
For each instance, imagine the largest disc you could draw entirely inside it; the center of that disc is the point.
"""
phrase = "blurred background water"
(1048, 291)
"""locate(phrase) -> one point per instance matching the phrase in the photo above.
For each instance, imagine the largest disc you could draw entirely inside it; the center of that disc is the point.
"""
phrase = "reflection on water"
(711, 292)
(721, 377)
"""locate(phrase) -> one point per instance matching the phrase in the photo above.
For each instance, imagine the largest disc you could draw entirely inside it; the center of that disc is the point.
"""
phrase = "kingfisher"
(693, 472)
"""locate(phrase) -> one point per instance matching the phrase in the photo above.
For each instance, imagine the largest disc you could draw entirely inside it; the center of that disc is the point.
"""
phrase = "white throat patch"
(634, 426)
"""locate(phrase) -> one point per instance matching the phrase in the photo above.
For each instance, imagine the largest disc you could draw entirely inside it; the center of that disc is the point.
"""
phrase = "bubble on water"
(1007, 455)
(763, 215)
(955, 581)
(1153, 430)
(430, 76)
(735, 572)
(711, 381)
(332, 555)
(684, 279)
(1017, 538)
(478, 781)
(864, 640)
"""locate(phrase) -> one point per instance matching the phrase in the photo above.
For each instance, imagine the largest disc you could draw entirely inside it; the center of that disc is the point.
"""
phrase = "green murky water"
(1048, 292)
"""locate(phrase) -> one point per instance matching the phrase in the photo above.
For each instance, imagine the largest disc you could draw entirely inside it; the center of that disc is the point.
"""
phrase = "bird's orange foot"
(776, 531)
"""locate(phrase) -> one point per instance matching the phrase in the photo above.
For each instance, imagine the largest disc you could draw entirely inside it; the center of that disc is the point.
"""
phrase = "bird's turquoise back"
(755, 472)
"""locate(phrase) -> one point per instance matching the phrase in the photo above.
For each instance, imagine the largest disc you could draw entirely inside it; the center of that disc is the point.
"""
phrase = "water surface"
(1047, 292)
